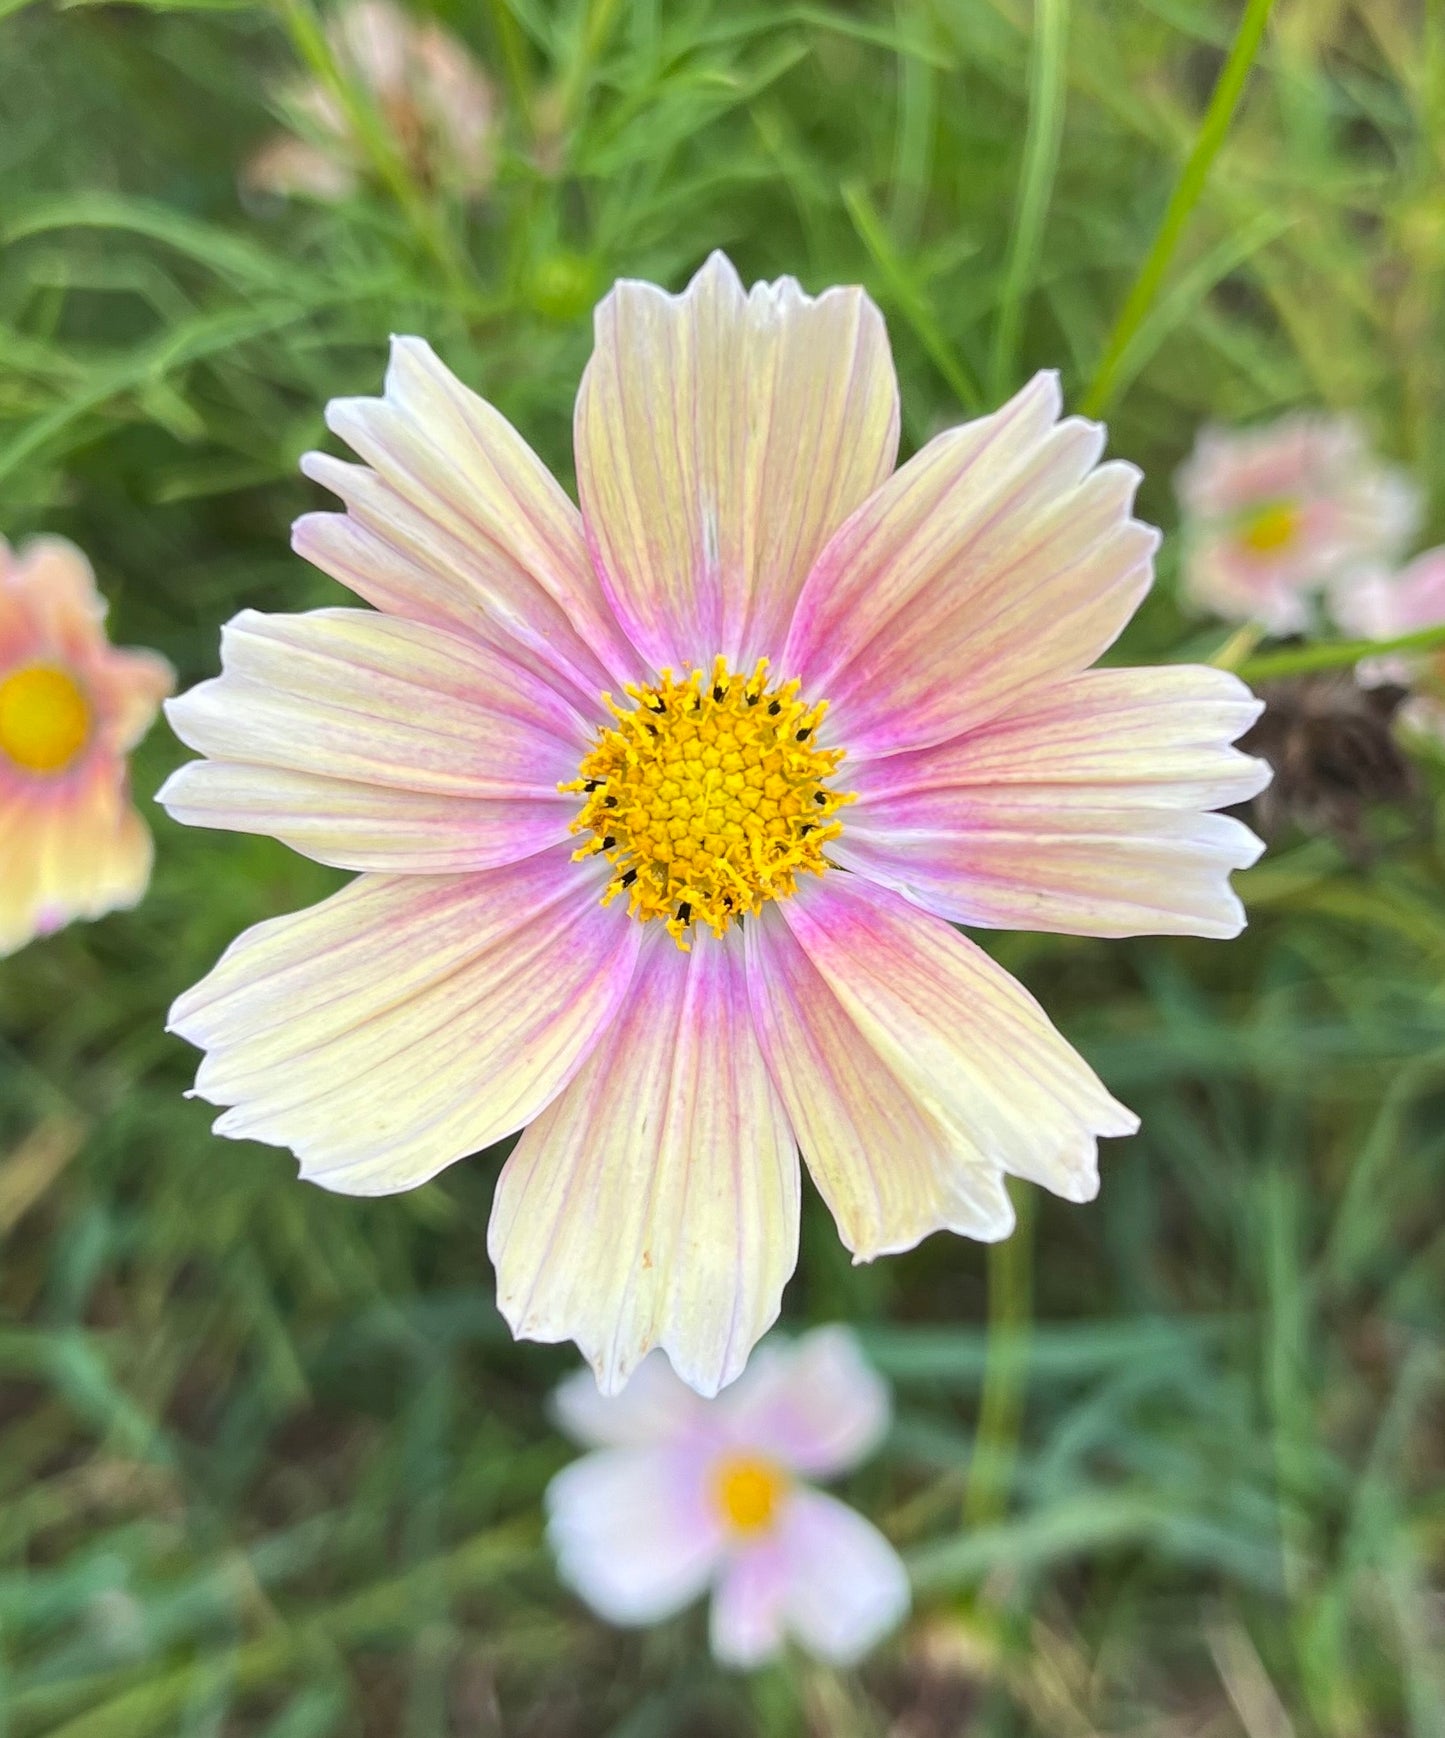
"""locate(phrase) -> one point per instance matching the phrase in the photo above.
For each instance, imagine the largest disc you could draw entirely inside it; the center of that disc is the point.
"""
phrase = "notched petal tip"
(166, 795)
(1045, 384)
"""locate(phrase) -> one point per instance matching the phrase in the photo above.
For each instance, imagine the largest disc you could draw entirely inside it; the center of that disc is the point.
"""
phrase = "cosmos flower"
(71, 708)
(1383, 606)
(434, 101)
(665, 810)
(685, 1494)
(1274, 515)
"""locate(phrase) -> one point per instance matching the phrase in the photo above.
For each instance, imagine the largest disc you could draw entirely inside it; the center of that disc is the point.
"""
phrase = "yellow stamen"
(749, 1491)
(44, 719)
(1270, 530)
(709, 797)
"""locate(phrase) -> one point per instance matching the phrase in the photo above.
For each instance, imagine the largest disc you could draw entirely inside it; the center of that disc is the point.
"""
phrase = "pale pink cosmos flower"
(763, 695)
(685, 1494)
(1383, 606)
(71, 709)
(433, 99)
(1274, 515)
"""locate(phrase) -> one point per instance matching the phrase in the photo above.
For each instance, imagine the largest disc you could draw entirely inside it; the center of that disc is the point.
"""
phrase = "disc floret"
(709, 796)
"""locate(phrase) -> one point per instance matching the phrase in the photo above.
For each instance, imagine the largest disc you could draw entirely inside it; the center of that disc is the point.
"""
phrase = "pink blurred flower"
(686, 1494)
(432, 97)
(1383, 606)
(857, 710)
(1274, 515)
(71, 709)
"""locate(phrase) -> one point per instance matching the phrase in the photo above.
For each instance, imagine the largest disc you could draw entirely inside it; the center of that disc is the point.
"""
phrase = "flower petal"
(79, 850)
(995, 560)
(722, 436)
(376, 744)
(656, 1202)
(1077, 810)
(473, 522)
(847, 1587)
(656, 1406)
(747, 1624)
(965, 1038)
(126, 689)
(818, 1407)
(49, 599)
(407, 1022)
(889, 1168)
(633, 1532)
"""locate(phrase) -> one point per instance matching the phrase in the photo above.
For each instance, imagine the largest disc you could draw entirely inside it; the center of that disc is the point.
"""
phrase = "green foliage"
(269, 1463)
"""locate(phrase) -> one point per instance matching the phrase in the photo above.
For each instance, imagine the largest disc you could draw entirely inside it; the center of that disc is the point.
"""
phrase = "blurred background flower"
(1386, 606)
(1274, 515)
(71, 709)
(410, 79)
(685, 1494)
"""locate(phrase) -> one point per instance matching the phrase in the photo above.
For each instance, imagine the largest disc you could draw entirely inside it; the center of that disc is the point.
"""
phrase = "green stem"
(513, 46)
(910, 300)
(1211, 135)
(1001, 1407)
(1048, 77)
(311, 43)
(598, 19)
(1336, 654)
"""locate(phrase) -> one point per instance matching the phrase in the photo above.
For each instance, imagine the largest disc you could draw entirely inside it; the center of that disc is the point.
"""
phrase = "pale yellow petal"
(409, 1021)
(973, 1048)
(722, 436)
(655, 1203)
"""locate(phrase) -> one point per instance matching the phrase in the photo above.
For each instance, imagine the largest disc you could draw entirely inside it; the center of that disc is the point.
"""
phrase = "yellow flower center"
(749, 1491)
(708, 797)
(44, 719)
(1269, 530)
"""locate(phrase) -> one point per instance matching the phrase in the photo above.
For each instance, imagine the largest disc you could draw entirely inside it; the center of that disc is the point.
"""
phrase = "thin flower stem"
(909, 298)
(1336, 654)
(1048, 79)
(310, 42)
(595, 28)
(1239, 647)
(515, 61)
(1211, 135)
(1000, 1412)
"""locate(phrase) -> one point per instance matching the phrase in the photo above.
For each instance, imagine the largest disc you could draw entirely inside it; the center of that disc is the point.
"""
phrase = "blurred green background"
(269, 1463)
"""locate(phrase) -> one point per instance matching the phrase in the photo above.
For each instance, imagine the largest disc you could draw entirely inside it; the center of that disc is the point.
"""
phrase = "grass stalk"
(1048, 81)
(1005, 1376)
(1213, 129)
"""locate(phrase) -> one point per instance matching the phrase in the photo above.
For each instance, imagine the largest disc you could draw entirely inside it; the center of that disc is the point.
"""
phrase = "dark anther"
(629, 877)
(592, 784)
(752, 699)
(805, 733)
(807, 827)
(820, 796)
(657, 703)
(609, 842)
(651, 729)
(684, 912)
(775, 708)
(609, 802)
(718, 690)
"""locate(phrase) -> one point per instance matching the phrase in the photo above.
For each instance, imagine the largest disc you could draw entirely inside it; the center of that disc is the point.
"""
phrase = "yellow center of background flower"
(709, 797)
(749, 1491)
(1271, 529)
(44, 719)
